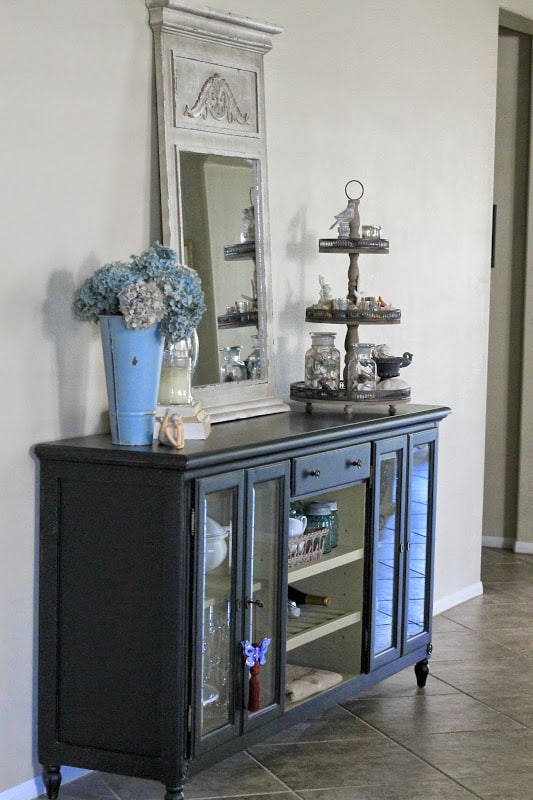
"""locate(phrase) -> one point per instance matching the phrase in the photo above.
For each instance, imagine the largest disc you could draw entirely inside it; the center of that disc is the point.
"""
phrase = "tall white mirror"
(210, 97)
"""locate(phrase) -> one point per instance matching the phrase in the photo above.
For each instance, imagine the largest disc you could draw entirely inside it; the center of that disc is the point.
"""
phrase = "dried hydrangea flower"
(141, 304)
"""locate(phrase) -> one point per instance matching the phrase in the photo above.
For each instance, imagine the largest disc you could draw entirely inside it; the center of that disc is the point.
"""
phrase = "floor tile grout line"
(485, 703)
(268, 771)
(423, 760)
(118, 797)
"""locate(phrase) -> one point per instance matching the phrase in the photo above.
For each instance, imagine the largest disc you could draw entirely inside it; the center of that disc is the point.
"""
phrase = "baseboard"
(523, 547)
(498, 542)
(451, 600)
(505, 543)
(35, 786)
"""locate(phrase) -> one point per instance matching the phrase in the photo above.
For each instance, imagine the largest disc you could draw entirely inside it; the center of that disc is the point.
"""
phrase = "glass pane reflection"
(262, 620)
(418, 552)
(216, 635)
(387, 554)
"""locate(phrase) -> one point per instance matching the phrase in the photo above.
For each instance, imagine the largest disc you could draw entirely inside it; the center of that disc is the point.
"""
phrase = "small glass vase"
(179, 361)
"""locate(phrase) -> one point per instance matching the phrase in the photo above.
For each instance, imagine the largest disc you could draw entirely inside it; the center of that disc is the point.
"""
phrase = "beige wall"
(506, 330)
(398, 95)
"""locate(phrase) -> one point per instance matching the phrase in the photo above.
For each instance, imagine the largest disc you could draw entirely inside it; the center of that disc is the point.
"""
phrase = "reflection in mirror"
(218, 198)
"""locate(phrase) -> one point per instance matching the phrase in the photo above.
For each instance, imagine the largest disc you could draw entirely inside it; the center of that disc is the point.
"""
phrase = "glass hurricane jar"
(179, 360)
(322, 362)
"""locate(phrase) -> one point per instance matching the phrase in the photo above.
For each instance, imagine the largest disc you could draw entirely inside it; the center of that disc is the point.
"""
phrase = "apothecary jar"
(233, 367)
(322, 362)
(362, 375)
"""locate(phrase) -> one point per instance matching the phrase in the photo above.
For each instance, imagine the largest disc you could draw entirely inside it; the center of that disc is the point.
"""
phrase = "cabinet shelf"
(290, 704)
(316, 622)
(338, 557)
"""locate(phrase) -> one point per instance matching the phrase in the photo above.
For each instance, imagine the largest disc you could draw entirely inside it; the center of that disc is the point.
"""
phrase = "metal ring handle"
(314, 473)
(354, 180)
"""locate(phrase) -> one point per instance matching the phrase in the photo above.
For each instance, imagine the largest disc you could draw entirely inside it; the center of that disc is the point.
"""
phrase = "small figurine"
(171, 432)
(248, 225)
(343, 219)
(325, 292)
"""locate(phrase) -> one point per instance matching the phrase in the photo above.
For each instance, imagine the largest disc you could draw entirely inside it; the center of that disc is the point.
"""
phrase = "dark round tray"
(299, 391)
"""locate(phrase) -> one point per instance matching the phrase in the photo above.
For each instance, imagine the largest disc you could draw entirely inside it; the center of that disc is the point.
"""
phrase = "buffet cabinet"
(165, 638)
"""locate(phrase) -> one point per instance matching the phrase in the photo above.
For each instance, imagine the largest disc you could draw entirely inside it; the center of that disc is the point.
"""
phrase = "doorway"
(507, 387)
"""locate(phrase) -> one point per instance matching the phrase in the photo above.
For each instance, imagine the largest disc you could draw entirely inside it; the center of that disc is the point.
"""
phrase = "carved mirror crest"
(210, 99)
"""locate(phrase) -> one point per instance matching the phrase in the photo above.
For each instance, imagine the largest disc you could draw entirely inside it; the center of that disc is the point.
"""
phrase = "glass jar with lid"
(253, 361)
(362, 375)
(233, 367)
(179, 361)
(322, 362)
(319, 517)
(334, 522)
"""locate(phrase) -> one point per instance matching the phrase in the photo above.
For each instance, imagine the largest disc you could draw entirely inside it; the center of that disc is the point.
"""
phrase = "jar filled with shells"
(322, 362)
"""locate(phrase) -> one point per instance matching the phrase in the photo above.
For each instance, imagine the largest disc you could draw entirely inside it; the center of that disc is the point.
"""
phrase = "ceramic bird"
(346, 216)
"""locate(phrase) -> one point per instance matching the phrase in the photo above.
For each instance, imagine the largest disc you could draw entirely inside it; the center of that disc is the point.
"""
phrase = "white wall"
(398, 95)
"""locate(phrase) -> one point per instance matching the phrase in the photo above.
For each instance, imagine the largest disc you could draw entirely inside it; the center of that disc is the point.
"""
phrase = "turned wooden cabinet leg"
(422, 672)
(52, 781)
(174, 793)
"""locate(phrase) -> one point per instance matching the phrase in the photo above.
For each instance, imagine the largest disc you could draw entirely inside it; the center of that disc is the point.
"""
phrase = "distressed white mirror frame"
(196, 46)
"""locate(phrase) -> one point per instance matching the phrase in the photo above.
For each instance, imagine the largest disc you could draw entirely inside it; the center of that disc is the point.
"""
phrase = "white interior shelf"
(315, 622)
(337, 558)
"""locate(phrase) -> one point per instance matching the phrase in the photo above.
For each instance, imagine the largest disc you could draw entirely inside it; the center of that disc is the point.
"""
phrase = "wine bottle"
(301, 598)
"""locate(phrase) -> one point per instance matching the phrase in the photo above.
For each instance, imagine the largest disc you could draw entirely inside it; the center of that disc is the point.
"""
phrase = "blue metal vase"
(132, 361)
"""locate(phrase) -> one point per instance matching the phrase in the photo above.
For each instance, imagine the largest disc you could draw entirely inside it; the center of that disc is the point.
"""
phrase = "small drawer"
(339, 467)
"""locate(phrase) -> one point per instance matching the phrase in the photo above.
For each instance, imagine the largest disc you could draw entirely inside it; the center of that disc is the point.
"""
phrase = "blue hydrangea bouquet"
(151, 288)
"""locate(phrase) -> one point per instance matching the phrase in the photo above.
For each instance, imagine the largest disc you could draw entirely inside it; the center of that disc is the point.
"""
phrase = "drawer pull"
(250, 602)
(357, 463)
(314, 473)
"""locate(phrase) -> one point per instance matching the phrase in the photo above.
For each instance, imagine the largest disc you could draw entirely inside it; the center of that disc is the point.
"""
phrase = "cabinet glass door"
(419, 536)
(265, 592)
(219, 530)
(388, 550)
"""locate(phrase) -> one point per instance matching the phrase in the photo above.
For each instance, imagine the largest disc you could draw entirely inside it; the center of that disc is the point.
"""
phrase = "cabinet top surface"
(262, 436)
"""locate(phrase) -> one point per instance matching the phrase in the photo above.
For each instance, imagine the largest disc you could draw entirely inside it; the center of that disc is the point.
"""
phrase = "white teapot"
(216, 546)
(297, 526)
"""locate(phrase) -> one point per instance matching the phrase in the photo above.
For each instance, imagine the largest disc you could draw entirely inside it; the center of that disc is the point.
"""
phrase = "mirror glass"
(218, 201)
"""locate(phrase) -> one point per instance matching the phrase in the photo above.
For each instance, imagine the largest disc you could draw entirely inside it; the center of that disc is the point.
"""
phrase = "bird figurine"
(343, 219)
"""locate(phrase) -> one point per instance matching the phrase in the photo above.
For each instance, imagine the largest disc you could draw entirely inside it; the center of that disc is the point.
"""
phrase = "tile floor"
(468, 734)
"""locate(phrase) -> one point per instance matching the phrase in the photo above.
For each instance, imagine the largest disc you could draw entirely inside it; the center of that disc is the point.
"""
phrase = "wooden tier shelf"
(386, 316)
(239, 252)
(238, 320)
(299, 391)
(357, 245)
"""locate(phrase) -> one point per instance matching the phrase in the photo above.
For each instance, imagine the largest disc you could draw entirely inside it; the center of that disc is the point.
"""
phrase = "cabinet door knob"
(314, 473)
(357, 463)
